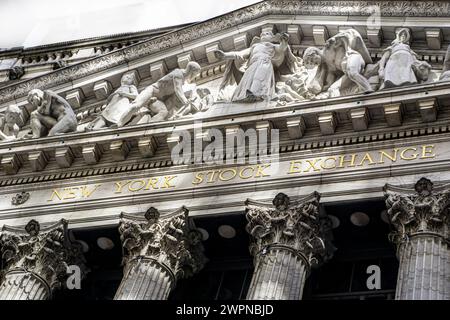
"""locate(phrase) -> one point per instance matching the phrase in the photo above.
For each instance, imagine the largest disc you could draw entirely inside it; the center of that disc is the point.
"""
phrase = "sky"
(31, 23)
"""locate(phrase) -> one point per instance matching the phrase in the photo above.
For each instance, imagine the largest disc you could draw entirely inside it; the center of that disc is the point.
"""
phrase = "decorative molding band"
(284, 148)
(203, 29)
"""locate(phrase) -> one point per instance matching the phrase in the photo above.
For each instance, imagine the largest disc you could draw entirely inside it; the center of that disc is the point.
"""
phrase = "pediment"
(87, 85)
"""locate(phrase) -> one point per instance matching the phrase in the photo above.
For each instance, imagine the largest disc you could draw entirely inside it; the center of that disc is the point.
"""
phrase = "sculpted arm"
(178, 88)
(232, 55)
(131, 95)
(382, 63)
(283, 46)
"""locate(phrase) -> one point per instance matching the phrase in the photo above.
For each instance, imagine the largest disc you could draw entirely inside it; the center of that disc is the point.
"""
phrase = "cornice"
(203, 29)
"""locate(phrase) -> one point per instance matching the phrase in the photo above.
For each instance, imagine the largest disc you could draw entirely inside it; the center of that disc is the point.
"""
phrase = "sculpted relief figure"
(252, 73)
(53, 114)
(118, 104)
(343, 57)
(200, 101)
(10, 123)
(399, 65)
(150, 105)
(445, 75)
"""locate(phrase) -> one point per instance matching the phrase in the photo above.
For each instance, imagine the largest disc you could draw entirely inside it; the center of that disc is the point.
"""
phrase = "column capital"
(171, 240)
(294, 225)
(43, 251)
(417, 211)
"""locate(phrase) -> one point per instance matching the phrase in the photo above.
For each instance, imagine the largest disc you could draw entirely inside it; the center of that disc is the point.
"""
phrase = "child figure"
(10, 123)
(118, 104)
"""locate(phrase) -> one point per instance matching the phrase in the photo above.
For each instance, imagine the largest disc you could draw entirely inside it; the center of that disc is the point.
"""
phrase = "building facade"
(287, 150)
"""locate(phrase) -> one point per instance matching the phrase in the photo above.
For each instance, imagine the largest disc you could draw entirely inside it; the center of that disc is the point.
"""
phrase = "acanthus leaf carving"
(296, 226)
(172, 241)
(46, 252)
(422, 211)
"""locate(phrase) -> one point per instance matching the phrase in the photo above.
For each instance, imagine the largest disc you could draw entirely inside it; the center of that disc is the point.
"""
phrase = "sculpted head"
(36, 97)
(128, 79)
(403, 35)
(312, 58)
(281, 201)
(203, 92)
(267, 36)
(192, 70)
(422, 70)
(13, 114)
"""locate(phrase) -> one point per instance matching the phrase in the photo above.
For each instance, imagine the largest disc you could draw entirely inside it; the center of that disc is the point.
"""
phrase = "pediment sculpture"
(53, 114)
(266, 71)
(255, 74)
(445, 75)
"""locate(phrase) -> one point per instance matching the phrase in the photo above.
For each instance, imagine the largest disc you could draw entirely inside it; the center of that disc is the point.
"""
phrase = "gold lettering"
(85, 193)
(55, 193)
(428, 153)
(312, 164)
(221, 174)
(167, 180)
(241, 173)
(294, 168)
(383, 154)
(342, 161)
(119, 186)
(141, 185)
(260, 173)
(198, 178)
(213, 173)
(324, 162)
(70, 193)
(412, 157)
(367, 157)
(152, 183)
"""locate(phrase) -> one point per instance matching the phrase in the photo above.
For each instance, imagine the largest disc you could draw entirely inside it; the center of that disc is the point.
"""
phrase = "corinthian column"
(35, 260)
(157, 252)
(420, 220)
(287, 239)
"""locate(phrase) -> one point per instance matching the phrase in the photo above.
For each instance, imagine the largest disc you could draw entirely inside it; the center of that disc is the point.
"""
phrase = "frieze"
(239, 175)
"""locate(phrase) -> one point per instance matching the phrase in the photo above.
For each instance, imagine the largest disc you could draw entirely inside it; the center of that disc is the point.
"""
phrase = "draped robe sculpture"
(256, 69)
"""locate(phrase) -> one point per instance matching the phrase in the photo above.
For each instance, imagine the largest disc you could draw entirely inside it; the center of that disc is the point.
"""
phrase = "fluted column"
(157, 252)
(420, 222)
(35, 261)
(287, 239)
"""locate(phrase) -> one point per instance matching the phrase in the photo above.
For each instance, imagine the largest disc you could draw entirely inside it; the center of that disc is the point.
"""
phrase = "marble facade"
(361, 111)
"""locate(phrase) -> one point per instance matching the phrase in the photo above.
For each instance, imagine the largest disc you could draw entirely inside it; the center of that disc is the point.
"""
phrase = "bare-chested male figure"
(346, 55)
(156, 94)
(53, 114)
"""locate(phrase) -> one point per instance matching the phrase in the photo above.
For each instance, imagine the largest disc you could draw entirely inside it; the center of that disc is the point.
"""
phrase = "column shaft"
(424, 269)
(279, 275)
(146, 279)
(20, 285)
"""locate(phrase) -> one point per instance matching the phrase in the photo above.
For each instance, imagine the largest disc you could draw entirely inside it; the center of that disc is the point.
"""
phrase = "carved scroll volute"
(423, 209)
(46, 252)
(172, 240)
(295, 225)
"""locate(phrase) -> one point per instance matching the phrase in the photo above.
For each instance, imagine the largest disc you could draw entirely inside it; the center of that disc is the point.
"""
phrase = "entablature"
(384, 115)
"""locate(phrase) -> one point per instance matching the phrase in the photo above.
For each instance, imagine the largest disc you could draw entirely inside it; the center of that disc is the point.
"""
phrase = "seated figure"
(201, 102)
(344, 58)
(152, 99)
(53, 114)
(10, 123)
(118, 104)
